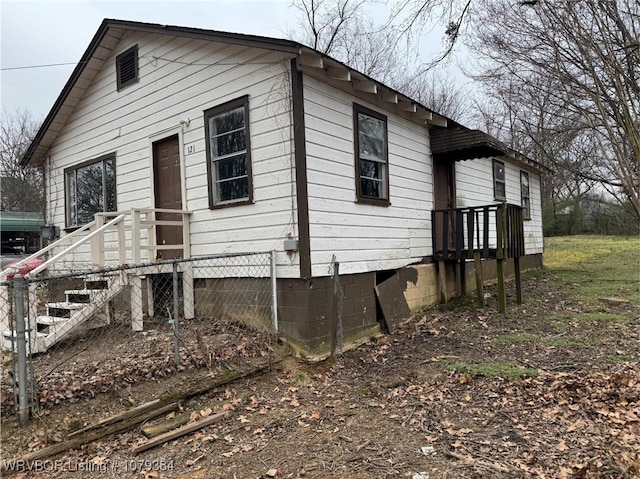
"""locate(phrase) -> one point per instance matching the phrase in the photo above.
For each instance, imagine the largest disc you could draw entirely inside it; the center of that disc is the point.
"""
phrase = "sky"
(52, 32)
(36, 33)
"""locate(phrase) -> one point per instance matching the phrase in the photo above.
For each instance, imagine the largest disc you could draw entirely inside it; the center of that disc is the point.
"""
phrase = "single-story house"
(266, 144)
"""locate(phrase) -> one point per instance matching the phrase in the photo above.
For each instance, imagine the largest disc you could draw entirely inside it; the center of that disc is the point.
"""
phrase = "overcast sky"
(50, 32)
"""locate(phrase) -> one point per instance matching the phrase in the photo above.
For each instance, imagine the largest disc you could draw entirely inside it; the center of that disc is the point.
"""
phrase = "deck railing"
(494, 231)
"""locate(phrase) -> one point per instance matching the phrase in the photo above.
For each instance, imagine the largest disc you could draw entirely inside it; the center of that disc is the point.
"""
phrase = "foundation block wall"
(306, 306)
(305, 309)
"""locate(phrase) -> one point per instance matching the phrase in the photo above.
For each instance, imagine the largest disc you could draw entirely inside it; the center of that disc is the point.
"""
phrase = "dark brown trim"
(356, 142)
(526, 215)
(100, 159)
(302, 195)
(242, 102)
(120, 84)
(495, 162)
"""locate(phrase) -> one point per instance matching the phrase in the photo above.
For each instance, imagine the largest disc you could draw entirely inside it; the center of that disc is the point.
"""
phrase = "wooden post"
(97, 243)
(516, 267)
(187, 290)
(442, 281)
(477, 263)
(500, 255)
(502, 299)
(136, 303)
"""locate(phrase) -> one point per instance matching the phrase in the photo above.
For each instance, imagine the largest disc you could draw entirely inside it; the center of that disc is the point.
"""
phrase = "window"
(90, 188)
(372, 169)
(229, 153)
(499, 185)
(525, 195)
(127, 68)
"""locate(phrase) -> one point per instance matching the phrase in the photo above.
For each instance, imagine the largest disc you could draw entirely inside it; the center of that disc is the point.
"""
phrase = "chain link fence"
(106, 330)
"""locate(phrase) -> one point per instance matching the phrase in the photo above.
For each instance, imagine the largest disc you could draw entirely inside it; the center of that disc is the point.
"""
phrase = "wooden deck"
(493, 231)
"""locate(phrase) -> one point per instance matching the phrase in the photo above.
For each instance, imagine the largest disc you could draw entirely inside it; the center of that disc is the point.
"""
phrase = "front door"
(444, 188)
(168, 193)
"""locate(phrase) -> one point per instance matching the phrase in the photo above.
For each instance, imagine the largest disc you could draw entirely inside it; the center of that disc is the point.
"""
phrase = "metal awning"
(20, 221)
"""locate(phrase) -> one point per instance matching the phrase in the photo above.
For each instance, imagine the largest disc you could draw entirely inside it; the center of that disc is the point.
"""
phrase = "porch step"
(83, 295)
(63, 309)
(96, 284)
(8, 342)
(50, 320)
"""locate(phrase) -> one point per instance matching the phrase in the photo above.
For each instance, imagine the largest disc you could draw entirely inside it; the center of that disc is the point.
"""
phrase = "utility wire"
(38, 66)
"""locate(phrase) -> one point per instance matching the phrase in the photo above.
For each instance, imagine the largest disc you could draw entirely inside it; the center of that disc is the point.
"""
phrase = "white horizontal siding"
(363, 237)
(180, 78)
(474, 187)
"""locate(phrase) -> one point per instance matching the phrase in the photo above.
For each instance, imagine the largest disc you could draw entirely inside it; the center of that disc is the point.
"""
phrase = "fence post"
(274, 294)
(334, 312)
(21, 349)
(176, 311)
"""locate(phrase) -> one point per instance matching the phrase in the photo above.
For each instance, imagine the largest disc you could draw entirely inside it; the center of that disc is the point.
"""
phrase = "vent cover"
(127, 67)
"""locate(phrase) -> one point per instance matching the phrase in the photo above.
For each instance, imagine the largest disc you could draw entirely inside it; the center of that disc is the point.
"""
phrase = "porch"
(494, 231)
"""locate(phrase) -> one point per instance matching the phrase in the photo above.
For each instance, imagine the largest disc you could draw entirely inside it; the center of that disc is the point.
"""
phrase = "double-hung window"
(90, 188)
(499, 183)
(372, 166)
(525, 195)
(229, 153)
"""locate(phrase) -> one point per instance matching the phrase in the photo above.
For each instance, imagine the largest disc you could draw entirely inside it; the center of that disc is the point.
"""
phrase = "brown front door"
(168, 193)
(444, 188)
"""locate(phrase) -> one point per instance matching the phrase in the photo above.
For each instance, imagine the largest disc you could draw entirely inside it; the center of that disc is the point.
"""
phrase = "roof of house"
(311, 61)
(111, 32)
(455, 144)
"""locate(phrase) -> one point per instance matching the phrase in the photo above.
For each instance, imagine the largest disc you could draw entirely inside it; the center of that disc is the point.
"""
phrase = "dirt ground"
(546, 390)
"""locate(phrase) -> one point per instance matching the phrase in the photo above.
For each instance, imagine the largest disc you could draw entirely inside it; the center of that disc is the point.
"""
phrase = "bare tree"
(21, 188)
(583, 57)
(345, 30)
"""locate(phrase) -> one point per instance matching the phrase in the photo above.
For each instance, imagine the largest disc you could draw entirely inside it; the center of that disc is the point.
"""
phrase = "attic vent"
(127, 67)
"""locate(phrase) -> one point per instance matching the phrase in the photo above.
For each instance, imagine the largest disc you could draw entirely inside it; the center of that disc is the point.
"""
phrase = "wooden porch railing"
(494, 231)
(129, 247)
(480, 232)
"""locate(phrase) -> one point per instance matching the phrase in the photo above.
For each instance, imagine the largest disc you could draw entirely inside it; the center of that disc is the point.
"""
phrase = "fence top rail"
(131, 267)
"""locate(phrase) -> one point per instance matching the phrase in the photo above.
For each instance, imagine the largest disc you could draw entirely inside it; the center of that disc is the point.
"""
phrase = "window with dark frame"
(371, 147)
(499, 184)
(229, 153)
(127, 67)
(90, 188)
(525, 195)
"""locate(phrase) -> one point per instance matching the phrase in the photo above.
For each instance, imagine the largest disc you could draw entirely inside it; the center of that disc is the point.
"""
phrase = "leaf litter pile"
(454, 392)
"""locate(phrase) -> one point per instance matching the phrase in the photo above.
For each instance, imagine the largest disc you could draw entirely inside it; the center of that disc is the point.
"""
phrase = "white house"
(266, 144)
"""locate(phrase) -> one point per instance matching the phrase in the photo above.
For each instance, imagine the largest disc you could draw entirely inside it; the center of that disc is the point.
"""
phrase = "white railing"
(134, 222)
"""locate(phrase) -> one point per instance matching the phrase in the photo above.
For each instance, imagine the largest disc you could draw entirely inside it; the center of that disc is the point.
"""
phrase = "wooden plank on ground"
(169, 436)
(91, 436)
(116, 424)
(392, 301)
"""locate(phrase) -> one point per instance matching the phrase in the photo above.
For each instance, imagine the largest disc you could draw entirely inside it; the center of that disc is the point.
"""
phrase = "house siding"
(363, 237)
(474, 187)
(179, 79)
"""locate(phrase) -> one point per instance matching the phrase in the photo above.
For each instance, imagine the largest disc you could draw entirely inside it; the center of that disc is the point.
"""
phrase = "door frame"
(163, 135)
(450, 168)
